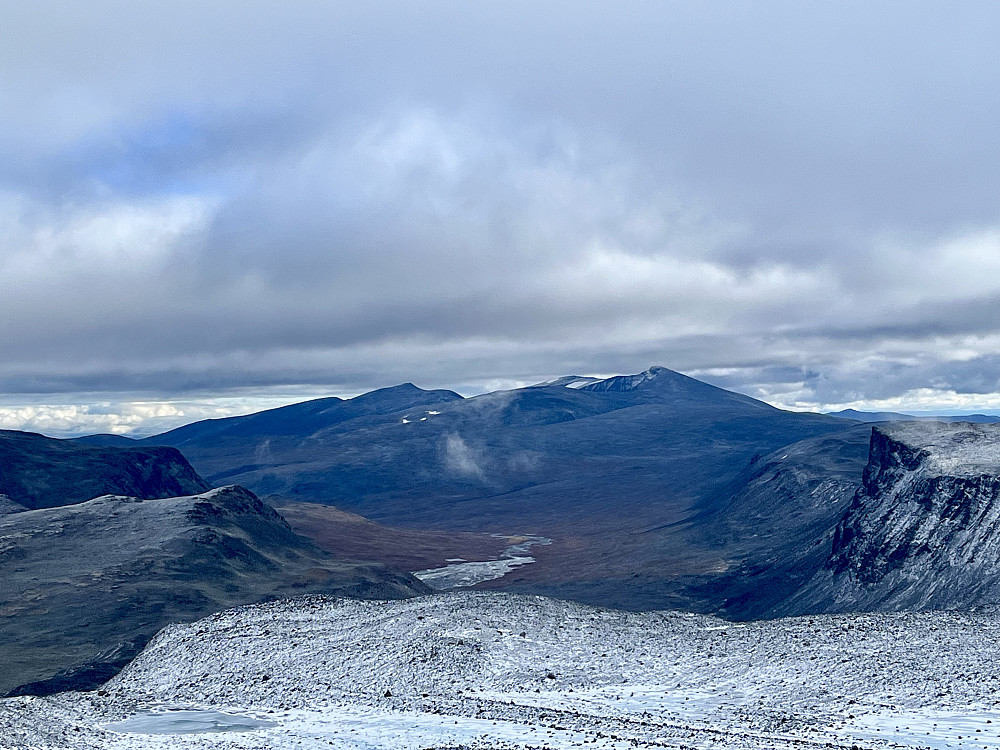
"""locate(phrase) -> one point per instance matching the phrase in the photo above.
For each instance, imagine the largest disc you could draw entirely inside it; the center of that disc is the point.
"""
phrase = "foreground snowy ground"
(487, 670)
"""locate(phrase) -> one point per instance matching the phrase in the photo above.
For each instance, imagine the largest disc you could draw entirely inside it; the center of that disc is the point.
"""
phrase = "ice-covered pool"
(188, 721)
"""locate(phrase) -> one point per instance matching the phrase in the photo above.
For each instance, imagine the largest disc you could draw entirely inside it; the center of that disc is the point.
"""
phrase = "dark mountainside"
(42, 472)
(777, 523)
(616, 472)
(85, 586)
(543, 453)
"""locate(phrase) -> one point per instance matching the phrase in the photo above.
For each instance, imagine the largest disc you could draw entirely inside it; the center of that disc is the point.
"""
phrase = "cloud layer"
(200, 202)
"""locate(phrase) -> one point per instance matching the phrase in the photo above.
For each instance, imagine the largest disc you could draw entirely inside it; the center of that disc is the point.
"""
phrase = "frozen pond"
(187, 721)
(463, 574)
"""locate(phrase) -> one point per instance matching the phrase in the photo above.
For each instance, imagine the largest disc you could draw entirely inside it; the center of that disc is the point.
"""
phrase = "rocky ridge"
(87, 585)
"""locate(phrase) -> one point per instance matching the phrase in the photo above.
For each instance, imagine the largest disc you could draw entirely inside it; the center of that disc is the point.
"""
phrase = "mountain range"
(616, 472)
(646, 492)
(655, 490)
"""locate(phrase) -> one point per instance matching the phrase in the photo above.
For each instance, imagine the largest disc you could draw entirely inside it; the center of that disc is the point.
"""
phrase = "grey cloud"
(796, 200)
(461, 459)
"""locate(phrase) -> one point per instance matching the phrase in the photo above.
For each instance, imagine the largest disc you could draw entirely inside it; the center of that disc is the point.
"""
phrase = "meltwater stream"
(463, 574)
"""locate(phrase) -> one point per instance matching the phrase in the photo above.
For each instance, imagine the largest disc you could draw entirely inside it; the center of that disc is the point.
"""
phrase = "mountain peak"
(404, 395)
(629, 382)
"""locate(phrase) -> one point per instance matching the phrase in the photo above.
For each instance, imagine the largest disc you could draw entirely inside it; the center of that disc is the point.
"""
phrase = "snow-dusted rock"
(86, 586)
(487, 670)
(923, 531)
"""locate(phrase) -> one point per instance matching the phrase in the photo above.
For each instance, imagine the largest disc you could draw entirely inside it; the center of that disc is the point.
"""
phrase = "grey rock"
(923, 530)
(86, 585)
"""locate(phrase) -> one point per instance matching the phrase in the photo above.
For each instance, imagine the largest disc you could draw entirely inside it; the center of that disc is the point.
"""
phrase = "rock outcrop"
(923, 530)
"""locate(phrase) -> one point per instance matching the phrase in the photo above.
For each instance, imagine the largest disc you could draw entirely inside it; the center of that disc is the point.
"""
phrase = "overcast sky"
(212, 207)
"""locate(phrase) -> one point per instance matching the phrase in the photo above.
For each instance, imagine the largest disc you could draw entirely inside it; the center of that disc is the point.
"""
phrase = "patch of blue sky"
(169, 155)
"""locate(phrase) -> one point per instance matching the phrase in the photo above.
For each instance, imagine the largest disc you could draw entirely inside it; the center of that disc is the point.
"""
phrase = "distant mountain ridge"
(304, 417)
(594, 464)
(470, 447)
(42, 472)
(893, 416)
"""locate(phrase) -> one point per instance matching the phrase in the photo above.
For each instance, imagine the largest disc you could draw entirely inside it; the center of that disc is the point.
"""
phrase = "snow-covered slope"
(487, 670)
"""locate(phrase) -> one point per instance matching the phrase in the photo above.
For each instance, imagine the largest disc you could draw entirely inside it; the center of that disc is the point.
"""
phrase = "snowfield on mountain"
(489, 670)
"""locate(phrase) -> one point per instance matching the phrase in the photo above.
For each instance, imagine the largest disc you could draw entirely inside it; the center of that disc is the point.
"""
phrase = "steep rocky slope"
(923, 530)
(500, 672)
(86, 585)
(776, 527)
(42, 472)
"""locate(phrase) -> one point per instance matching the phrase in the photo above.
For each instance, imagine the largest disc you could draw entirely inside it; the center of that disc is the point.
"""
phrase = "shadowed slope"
(42, 472)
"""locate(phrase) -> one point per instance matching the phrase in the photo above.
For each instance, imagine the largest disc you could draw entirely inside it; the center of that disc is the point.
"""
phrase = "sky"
(211, 207)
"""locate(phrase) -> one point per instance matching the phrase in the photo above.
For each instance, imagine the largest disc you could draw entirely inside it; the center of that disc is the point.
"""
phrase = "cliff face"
(42, 472)
(923, 530)
(910, 514)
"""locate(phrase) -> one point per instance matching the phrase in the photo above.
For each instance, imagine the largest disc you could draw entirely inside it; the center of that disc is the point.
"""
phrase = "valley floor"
(485, 670)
